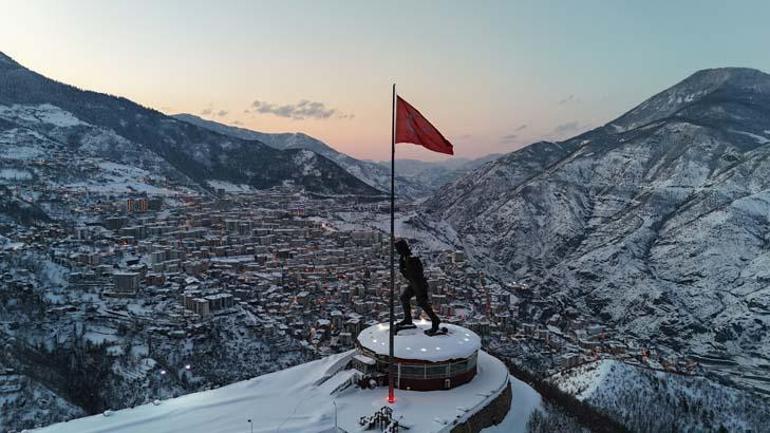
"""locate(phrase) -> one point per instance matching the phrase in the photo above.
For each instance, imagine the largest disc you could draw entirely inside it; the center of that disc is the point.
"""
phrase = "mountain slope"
(14, 209)
(194, 152)
(370, 173)
(437, 174)
(649, 401)
(657, 223)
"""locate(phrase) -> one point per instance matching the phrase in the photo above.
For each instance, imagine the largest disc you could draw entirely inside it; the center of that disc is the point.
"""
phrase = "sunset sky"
(493, 76)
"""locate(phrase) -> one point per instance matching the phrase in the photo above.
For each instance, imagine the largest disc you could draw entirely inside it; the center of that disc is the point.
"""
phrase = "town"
(271, 277)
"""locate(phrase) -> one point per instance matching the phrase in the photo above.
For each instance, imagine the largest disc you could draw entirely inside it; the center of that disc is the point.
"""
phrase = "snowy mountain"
(650, 401)
(38, 114)
(656, 223)
(437, 174)
(370, 173)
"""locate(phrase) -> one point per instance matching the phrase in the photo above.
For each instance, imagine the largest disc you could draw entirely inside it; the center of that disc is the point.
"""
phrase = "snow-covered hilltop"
(656, 223)
(302, 399)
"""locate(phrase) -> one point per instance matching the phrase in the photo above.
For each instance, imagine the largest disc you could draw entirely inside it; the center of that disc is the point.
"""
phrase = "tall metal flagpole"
(391, 369)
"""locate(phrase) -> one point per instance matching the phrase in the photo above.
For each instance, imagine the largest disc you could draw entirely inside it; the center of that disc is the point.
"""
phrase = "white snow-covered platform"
(458, 343)
(301, 400)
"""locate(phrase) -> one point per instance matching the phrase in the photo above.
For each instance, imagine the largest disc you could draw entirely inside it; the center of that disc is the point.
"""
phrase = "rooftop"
(458, 343)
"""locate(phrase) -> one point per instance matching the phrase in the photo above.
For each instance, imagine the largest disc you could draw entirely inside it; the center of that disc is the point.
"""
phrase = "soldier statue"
(411, 268)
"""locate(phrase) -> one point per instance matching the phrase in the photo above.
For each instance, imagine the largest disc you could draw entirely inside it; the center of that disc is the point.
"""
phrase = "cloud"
(568, 99)
(510, 138)
(520, 128)
(211, 111)
(567, 128)
(237, 122)
(304, 109)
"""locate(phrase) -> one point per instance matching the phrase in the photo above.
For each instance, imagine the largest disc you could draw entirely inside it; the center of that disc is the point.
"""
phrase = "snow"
(43, 113)
(414, 344)
(98, 338)
(669, 222)
(302, 400)
(760, 139)
(307, 160)
(15, 174)
(642, 396)
(122, 170)
(371, 173)
(98, 334)
(229, 187)
(113, 177)
(16, 152)
(54, 274)
(425, 240)
(585, 385)
(525, 401)
(121, 187)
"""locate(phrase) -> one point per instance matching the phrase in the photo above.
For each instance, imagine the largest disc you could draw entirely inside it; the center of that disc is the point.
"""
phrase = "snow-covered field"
(120, 178)
(43, 113)
(302, 400)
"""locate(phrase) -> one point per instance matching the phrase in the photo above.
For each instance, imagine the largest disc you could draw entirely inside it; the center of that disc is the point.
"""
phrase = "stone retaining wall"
(491, 414)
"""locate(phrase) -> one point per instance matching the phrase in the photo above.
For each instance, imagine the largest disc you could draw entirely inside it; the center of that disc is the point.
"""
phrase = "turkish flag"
(413, 127)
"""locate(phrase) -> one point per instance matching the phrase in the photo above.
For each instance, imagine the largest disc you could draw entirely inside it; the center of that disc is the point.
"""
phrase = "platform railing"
(431, 371)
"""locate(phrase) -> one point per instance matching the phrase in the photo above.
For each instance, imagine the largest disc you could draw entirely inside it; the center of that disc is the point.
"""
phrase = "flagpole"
(391, 369)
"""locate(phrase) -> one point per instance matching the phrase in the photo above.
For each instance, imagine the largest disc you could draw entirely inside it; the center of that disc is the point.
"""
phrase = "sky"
(493, 76)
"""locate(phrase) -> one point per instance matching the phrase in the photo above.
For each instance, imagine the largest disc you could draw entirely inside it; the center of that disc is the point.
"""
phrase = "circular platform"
(421, 362)
(413, 344)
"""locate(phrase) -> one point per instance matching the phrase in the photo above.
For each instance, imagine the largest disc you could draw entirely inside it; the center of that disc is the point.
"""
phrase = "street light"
(336, 429)
(251, 424)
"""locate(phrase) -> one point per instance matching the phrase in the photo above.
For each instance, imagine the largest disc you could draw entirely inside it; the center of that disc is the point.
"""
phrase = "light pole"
(251, 424)
(336, 429)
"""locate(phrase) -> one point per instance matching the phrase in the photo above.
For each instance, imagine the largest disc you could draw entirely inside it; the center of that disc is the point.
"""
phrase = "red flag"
(413, 127)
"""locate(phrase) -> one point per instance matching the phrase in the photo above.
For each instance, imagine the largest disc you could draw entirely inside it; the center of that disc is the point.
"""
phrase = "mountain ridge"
(196, 152)
(654, 224)
(368, 172)
(692, 90)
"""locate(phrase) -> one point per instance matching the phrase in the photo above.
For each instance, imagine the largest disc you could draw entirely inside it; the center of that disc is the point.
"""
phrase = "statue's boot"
(404, 323)
(435, 321)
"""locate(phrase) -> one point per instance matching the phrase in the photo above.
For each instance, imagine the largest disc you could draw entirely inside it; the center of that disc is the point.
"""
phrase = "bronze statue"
(411, 269)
